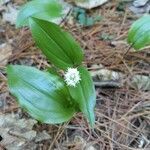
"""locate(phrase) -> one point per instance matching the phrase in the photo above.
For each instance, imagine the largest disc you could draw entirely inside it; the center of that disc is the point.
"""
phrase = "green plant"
(139, 33)
(48, 96)
(42, 9)
(83, 19)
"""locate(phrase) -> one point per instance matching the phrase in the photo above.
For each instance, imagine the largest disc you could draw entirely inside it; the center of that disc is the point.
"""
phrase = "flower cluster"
(72, 77)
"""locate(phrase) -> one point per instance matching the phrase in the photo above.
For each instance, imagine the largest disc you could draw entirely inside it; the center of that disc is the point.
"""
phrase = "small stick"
(108, 84)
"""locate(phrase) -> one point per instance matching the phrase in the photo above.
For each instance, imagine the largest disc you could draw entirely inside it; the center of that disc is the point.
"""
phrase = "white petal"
(72, 77)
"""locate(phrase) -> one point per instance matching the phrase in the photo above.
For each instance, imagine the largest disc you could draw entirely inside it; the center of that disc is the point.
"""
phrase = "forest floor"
(122, 111)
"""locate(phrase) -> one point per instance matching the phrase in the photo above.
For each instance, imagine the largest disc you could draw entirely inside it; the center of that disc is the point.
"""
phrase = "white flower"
(72, 76)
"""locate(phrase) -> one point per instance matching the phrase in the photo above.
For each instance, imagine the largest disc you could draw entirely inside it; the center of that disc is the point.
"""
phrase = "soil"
(122, 114)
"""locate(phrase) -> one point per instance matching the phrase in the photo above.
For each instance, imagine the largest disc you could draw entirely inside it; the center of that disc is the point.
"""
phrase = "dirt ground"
(122, 112)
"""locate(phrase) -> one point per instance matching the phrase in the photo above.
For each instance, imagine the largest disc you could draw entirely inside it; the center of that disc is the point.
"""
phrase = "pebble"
(90, 3)
(140, 3)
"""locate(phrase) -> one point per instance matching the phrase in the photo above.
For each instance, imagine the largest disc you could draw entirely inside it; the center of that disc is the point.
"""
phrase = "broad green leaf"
(84, 95)
(139, 33)
(58, 46)
(42, 9)
(43, 95)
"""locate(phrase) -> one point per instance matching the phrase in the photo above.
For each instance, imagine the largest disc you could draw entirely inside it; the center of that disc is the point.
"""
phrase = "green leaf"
(84, 95)
(42, 9)
(43, 95)
(58, 46)
(139, 33)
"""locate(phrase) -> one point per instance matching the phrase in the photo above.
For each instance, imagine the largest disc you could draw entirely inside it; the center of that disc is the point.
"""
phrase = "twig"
(63, 19)
(108, 84)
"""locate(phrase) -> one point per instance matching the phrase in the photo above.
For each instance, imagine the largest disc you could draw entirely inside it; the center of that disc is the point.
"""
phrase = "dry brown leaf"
(17, 133)
(5, 53)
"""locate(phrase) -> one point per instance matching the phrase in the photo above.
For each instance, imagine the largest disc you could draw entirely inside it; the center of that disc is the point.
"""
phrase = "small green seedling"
(48, 96)
(83, 19)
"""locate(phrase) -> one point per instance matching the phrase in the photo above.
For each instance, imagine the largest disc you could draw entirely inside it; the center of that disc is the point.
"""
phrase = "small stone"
(11, 14)
(89, 4)
(90, 148)
(2, 2)
(140, 3)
